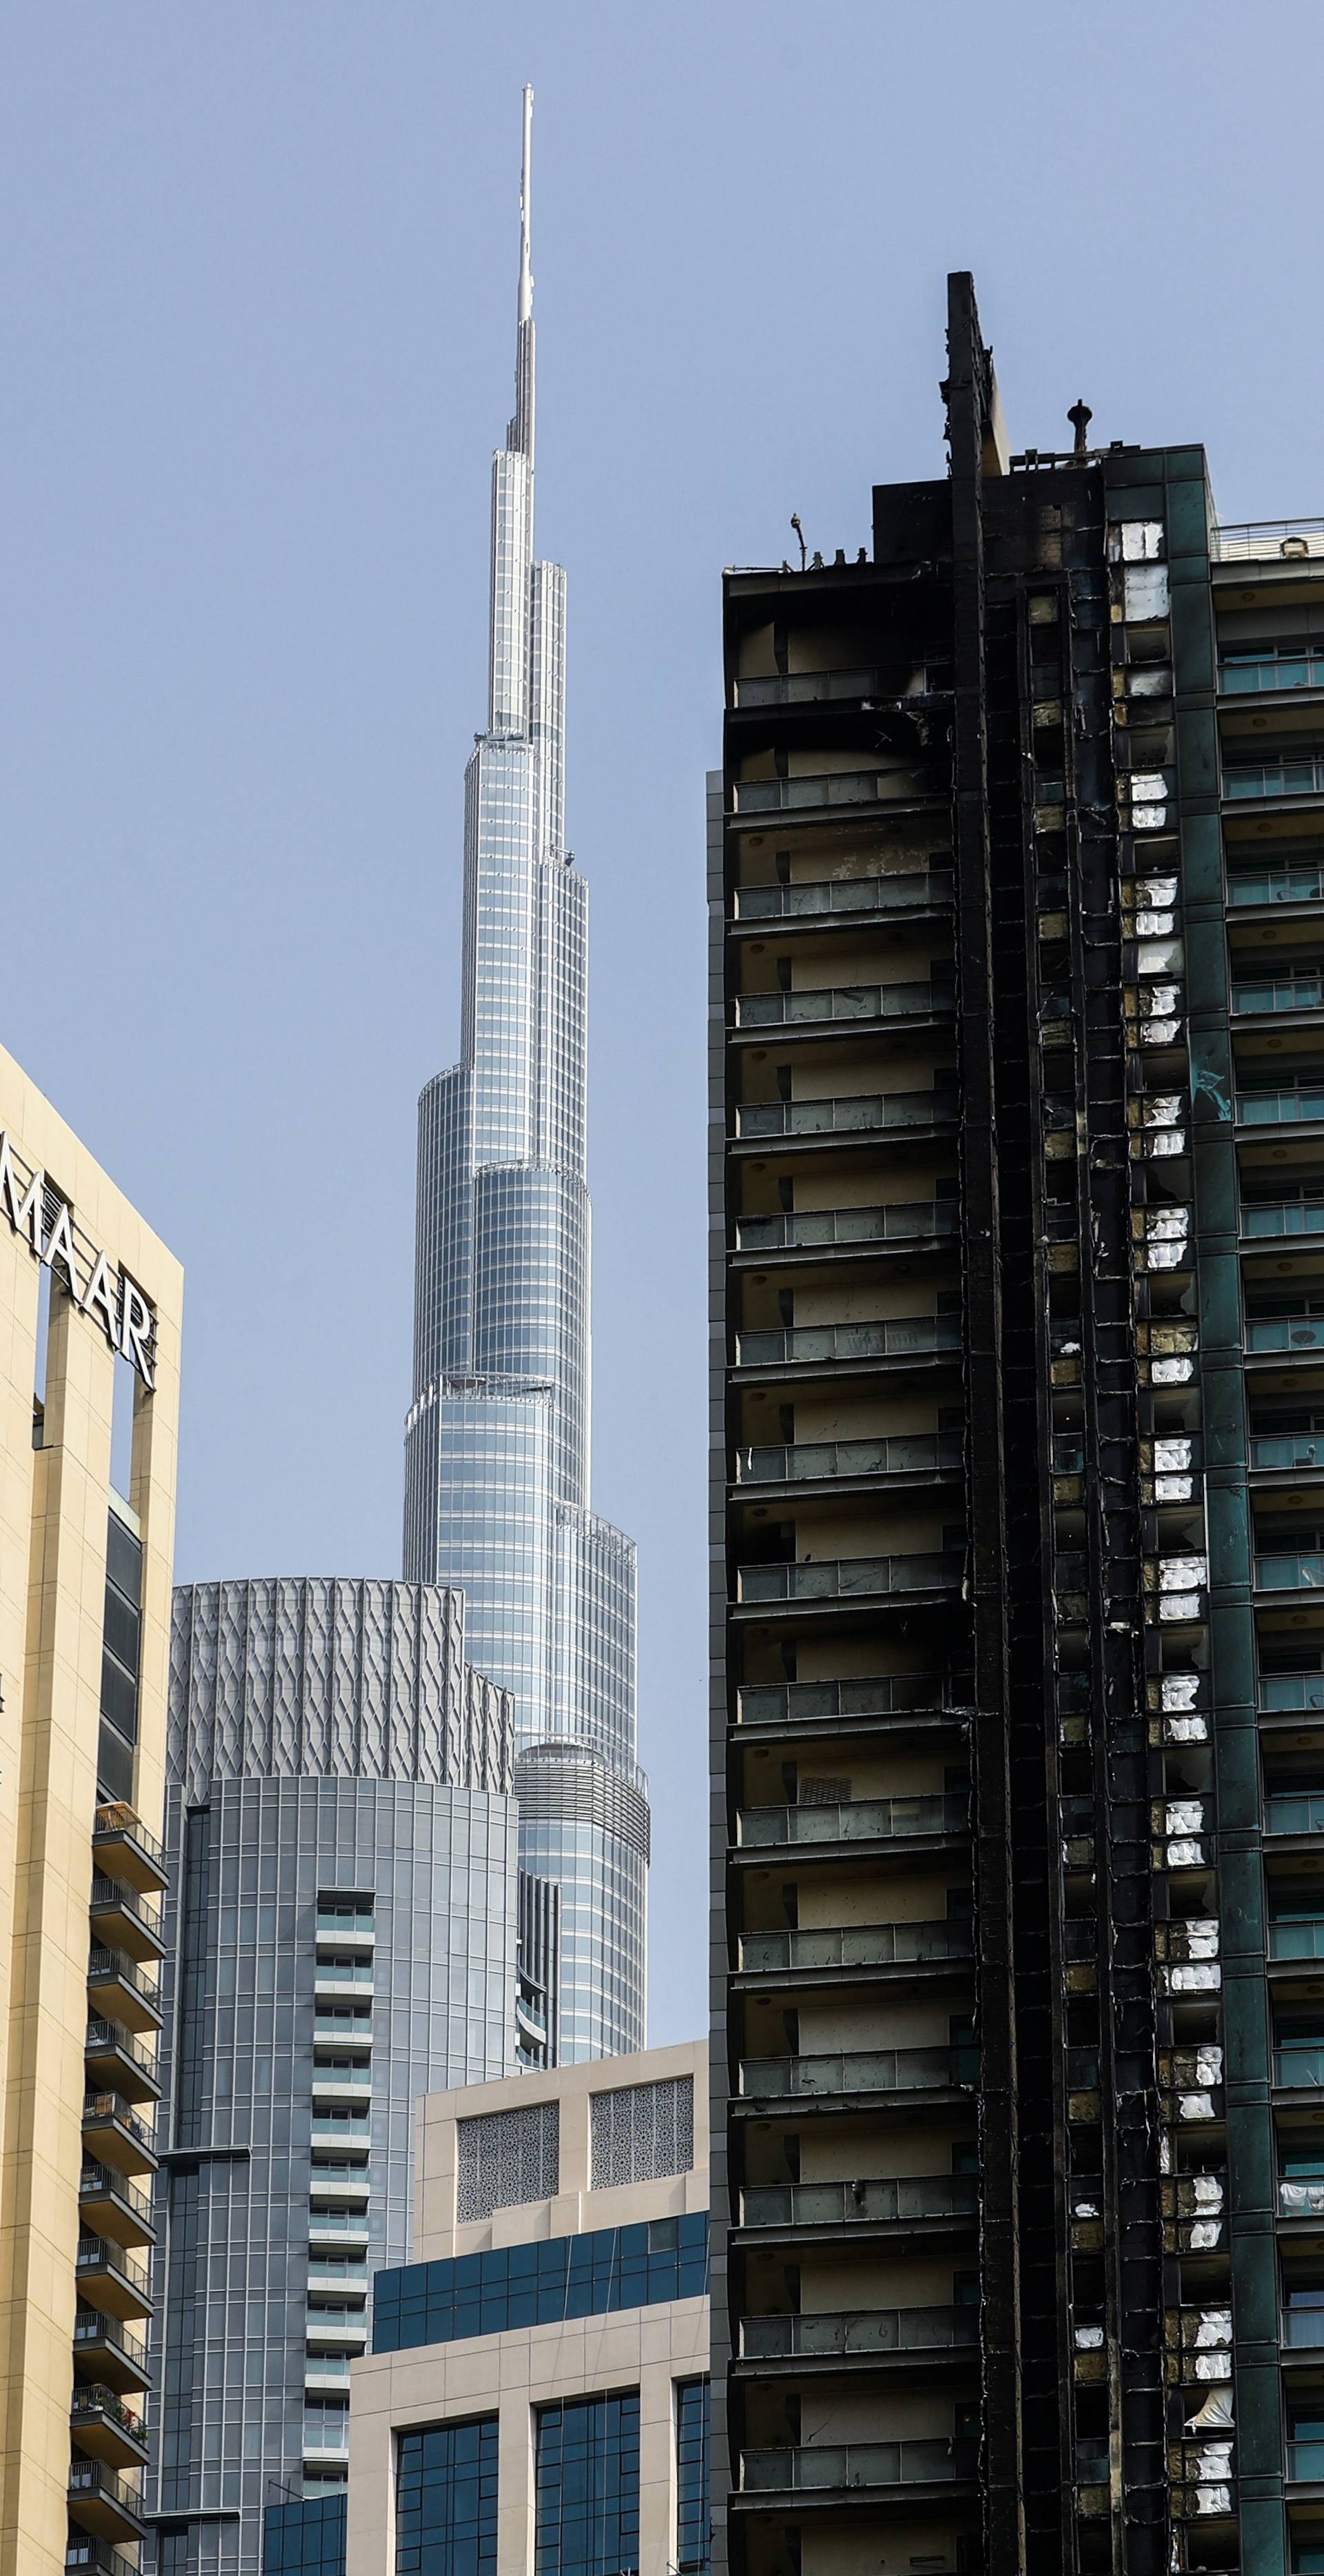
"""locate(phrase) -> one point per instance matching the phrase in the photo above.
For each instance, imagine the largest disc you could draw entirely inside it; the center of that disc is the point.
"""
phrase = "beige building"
(90, 1306)
(538, 2378)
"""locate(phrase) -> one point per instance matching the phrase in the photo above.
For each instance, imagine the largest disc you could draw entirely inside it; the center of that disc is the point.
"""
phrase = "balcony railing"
(856, 1820)
(107, 2107)
(338, 2222)
(1296, 1940)
(838, 2204)
(90, 2327)
(86, 2556)
(903, 782)
(1302, 2329)
(1304, 2199)
(1300, 2064)
(913, 890)
(103, 2037)
(848, 1115)
(870, 2070)
(856, 1945)
(1290, 1570)
(1279, 993)
(1295, 1812)
(1287, 1448)
(857, 2330)
(1269, 667)
(1305, 2462)
(1303, 776)
(102, 2182)
(880, 1695)
(91, 2482)
(896, 1337)
(1285, 1332)
(99, 2254)
(854, 1578)
(811, 688)
(1264, 540)
(1282, 1216)
(1286, 881)
(922, 2462)
(1291, 1690)
(808, 1461)
(905, 1221)
(115, 1967)
(844, 1002)
(116, 1820)
(1286, 1106)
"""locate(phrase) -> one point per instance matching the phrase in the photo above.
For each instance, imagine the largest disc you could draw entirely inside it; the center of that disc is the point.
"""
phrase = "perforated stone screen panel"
(507, 2158)
(642, 2131)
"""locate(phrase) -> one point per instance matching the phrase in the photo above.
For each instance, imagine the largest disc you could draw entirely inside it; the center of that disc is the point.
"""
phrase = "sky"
(257, 281)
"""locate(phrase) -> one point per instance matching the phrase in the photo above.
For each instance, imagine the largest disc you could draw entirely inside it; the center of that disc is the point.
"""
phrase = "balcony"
(797, 1704)
(859, 2467)
(856, 1945)
(1286, 1691)
(1268, 667)
(112, 2280)
(845, 1115)
(835, 1005)
(326, 2373)
(1298, 1569)
(121, 1921)
(346, 1929)
(1272, 1218)
(1283, 881)
(899, 1337)
(1284, 1333)
(924, 1453)
(1287, 1448)
(1304, 2199)
(108, 2205)
(858, 2333)
(817, 688)
(1302, 2329)
(337, 2227)
(861, 1820)
(864, 2071)
(347, 2333)
(329, 2029)
(906, 1221)
(85, 2556)
(915, 890)
(1302, 776)
(346, 1977)
(114, 2135)
(1267, 540)
(902, 782)
(103, 2503)
(118, 2063)
(122, 1848)
(106, 2348)
(106, 2429)
(331, 2082)
(1297, 1812)
(855, 1578)
(1305, 2463)
(1299, 2065)
(1282, 1104)
(118, 1989)
(1296, 1940)
(893, 2203)
(1278, 993)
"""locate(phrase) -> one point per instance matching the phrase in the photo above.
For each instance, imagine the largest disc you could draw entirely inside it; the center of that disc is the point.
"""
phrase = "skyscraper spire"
(520, 433)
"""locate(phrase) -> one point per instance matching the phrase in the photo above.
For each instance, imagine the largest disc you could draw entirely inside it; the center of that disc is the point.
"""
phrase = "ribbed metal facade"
(497, 1438)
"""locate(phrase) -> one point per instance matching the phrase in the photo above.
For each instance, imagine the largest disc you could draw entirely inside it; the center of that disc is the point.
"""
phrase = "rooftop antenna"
(795, 523)
(1080, 417)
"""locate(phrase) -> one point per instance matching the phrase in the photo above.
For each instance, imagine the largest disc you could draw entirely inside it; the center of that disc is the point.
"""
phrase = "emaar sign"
(95, 1284)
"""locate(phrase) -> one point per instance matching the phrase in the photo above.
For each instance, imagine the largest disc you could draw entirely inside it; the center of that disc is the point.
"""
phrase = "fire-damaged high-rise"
(1018, 1151)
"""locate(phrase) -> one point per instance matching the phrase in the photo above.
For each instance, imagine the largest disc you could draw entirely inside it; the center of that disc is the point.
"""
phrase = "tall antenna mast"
(521, 428)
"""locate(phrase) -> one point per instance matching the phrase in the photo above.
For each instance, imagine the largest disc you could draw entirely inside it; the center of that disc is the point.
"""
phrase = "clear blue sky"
(257, 272)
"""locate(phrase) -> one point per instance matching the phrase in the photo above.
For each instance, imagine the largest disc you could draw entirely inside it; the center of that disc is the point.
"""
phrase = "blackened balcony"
(855, 1945)
(796, 1704)
(830, 2076)
(857, 2471)
(910, 2201)
(847, 1115)
(858, 2333)
(819, 688)
(859, 1820)
(896, 1337)
(905, 1221)
(912, 890)
(920, 1454)
(854, 1578)
(846, 1005)
(906, 782)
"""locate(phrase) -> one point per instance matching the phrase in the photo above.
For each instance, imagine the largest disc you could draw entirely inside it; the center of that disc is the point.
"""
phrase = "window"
(305, 2539)
(692, 2539)
(446, 2500)
(119, 1659)
(507, 2159)
(642, 2131)
(541, 2283)
(586, 2493)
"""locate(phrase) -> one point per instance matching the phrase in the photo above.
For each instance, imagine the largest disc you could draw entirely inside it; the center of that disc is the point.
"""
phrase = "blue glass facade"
(542, 2283)
(497, 1437)
(586, 2512)
(692, 2531)
(306, 2539)
(446, 2500)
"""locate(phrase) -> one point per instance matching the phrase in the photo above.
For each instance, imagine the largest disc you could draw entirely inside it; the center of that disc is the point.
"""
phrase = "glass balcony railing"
(902, 782)
(1300, 2065)
(879, 1695)
(856, 1945)
(813, 688)
(837, 1002)
(1302, 2329)
(854, 1578)
(829, 2334)
(896, 1337)
(1287, 1448)
(1274, 666)
(1287, 881)
(855, 1820)
(1295, 1811)
(1296, 1940)
(914, 890)
(1285, 1332)
(873, 2070)
(808, 1461)
(1287, 1105)
(1305, 2462)
(1278, 993)
(1291, 1690)
(848, 1116)
(905, 1221)
(1303, 776)
(924, 2461)
(1282, 1216)
(1290, 1570)
(836, 2204)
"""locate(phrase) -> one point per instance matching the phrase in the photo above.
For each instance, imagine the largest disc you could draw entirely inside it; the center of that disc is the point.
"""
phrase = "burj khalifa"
(497, 1436)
